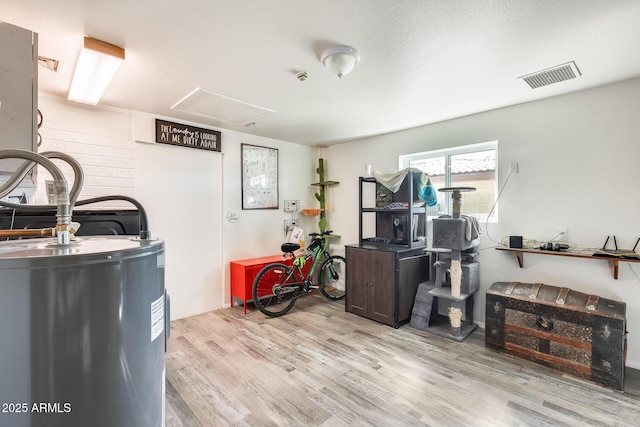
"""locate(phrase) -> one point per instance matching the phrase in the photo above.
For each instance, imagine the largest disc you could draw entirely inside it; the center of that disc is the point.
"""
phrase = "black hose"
(145, 234)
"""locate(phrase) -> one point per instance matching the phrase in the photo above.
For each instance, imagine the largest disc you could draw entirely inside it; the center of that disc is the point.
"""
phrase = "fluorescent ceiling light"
(96, 66)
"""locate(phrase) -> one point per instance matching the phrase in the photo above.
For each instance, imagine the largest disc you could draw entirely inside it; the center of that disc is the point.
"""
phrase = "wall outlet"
(562, 234)
(289, 224)
(291, 205)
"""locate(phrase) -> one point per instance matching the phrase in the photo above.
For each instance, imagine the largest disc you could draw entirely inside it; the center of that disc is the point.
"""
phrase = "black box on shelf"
(515, 242)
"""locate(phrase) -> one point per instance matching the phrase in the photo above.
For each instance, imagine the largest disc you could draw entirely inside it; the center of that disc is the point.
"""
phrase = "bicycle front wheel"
(333, 275)
(275, 290)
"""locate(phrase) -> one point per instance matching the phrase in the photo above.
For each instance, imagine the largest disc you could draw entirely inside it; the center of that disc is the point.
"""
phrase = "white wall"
(260, 232)
(577, 155)
(189, 192)
(181, 189)
(186, 193)
(578, 160)
(97, 138)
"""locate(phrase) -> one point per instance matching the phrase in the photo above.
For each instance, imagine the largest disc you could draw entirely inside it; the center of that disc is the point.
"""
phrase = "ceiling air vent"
(552, 75)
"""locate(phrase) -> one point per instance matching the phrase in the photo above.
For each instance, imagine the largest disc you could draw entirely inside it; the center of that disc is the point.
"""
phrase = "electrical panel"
(18, 94)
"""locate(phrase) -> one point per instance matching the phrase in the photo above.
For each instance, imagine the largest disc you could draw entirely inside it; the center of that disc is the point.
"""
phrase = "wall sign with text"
(188, 136)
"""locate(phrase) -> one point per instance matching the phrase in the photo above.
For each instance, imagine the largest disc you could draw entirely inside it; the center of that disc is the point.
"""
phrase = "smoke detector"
(552, 75)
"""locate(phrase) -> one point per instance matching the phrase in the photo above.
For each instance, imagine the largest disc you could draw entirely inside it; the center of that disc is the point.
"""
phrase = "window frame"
(404, 161)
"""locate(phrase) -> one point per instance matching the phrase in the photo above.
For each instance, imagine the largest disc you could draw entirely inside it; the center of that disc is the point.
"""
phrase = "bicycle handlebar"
(324, 233)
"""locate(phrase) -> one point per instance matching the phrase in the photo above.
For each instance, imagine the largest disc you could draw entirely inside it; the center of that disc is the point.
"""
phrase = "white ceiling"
(421, 62)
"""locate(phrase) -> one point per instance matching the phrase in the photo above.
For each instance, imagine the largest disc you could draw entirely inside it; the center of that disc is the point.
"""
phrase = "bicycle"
(278, 286)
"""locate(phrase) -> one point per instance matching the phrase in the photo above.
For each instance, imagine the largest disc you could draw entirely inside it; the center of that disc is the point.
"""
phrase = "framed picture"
(259, 177)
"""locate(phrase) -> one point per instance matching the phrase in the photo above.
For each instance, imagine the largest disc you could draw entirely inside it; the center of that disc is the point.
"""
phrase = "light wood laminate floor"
(321, 366)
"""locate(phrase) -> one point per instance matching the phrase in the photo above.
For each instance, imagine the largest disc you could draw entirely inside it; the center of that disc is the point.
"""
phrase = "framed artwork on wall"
(259, 177)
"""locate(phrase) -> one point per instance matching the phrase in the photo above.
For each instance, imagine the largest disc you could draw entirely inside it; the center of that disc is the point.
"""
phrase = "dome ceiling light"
(340, 60)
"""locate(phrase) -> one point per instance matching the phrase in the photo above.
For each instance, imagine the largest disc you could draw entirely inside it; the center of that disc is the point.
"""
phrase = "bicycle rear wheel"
(333, 275)
(275, 289)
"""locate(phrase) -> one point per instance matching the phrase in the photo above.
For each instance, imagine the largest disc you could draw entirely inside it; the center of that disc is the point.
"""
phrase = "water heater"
(83, 332)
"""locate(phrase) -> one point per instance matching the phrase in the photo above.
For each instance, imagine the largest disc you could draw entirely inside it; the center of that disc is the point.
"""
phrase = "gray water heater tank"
(82, 333)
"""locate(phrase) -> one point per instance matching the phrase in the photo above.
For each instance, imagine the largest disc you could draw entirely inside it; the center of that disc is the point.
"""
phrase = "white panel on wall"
(181, 188)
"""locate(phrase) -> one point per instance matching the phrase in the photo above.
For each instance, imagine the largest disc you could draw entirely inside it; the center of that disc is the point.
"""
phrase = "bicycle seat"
(289, 248)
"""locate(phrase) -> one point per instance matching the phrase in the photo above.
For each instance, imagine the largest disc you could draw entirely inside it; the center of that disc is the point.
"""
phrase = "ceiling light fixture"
(96, 66)
(340, 60)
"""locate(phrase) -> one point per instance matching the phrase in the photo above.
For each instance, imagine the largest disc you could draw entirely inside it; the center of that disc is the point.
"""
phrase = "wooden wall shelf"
(613, 261)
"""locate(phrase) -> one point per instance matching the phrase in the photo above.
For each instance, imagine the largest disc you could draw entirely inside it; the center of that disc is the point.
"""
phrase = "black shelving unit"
(404, 226)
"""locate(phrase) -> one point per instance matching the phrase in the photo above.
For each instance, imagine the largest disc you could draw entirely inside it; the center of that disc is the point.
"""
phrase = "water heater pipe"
(28, 232)
(63, 213)
(22, 171)
(16, 178)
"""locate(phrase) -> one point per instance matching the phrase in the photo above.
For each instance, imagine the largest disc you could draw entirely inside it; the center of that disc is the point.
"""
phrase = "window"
(468, 166)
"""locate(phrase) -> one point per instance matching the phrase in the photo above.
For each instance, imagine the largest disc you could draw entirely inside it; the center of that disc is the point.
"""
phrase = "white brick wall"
(98, 138)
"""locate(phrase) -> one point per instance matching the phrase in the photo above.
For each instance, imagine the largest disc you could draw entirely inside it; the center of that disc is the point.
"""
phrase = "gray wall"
(578, 160)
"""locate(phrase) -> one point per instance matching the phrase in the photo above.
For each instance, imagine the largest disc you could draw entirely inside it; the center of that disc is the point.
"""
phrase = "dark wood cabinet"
(382, 281)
